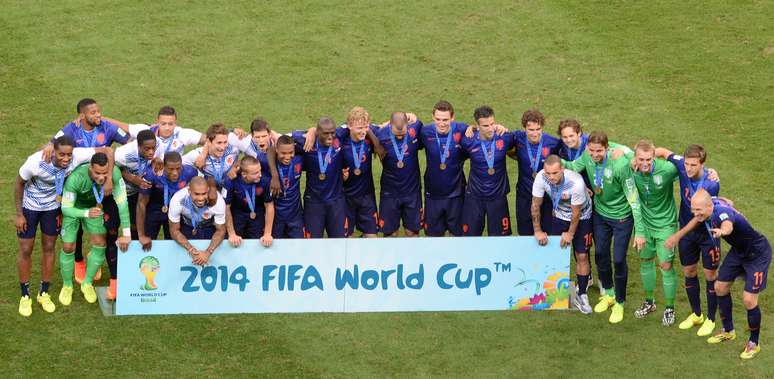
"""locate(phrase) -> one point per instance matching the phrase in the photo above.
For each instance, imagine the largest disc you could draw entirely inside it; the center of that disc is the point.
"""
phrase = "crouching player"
(750, 256)
(249, 206)
(571, 219)
(190, 217)
(82, 205)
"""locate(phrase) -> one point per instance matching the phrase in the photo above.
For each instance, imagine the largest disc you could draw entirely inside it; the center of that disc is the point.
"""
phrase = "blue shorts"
(329, 217)
(50, 223)
(754, 267)
(524, 214)
(581, 242)
(205, 233)
(696, 243)
(155, 221)
(293, 228)
(442, 215)
(395, 209)
(248, 228)
(361, 212)
(494, 211)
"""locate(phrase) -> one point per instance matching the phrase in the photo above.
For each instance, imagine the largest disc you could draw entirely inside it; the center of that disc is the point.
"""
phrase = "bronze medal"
(357, 171)
(490, 171)
(164, 209)
(443, 166)
(400, 164)
(193, 231)
(58, 198)
(99, 205)
(534, 175)
(321, 176)
(598, 190)
(252, 215)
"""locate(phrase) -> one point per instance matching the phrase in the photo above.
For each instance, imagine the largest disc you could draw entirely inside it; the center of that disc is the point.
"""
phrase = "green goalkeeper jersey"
(657, 194)
(78, 194)
(616, 195)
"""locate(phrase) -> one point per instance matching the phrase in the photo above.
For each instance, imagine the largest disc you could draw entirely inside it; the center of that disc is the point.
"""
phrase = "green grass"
(674, 72)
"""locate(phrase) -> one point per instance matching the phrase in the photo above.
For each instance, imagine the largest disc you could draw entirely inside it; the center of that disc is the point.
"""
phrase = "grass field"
(675, 72)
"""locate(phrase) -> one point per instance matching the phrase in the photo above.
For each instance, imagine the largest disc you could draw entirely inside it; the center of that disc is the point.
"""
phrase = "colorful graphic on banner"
(347, 275)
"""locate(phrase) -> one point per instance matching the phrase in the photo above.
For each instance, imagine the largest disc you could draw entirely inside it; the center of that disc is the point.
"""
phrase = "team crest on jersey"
(258, 190)
(206, 215)
(230, 159)
(412, 132)
(658, 180)
(608, 173)
(100, 137)
(182, 184)
(546, 152)
(457, 137)
(336, 143)
(297, 168)
(500, 144)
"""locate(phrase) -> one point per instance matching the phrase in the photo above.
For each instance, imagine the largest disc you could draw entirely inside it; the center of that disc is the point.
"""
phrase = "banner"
(347, 275)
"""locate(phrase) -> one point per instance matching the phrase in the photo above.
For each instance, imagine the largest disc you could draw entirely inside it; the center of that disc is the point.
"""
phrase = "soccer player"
(82, 204)
(38, 193)
(257, 143)
(216, 159)
(401, 193)
(616, 214)
(169, 136)
(573, 140)
(191, 218)
(249, 205)
(486, 196)
(532, 148)
(749, 256)
(135, 159)
(288, 212)
(153, 202)
(324, 204)
(697, 242)
(571, 219)
(359, 193)
(654, 179)
(444, 175)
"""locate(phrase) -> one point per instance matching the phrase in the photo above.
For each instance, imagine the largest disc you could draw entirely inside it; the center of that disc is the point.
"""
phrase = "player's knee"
(666, 266)
(750, 300)
(710, 274)
(722, 288)
(68, 247)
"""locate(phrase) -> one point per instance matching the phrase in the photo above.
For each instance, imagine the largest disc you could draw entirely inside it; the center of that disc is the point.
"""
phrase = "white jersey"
(247, 146)
(127, 157)
(571, 191)
(40, 190)
(217, 168)
(180, 138)
(181, 207)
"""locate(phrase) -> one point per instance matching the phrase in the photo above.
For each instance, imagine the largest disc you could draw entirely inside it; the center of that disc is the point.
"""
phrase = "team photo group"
(107, 182)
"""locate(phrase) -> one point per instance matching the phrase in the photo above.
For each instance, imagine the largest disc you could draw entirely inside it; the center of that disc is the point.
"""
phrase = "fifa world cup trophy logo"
(149, 266)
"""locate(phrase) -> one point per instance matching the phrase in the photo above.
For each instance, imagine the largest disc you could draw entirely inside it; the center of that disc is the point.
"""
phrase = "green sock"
(669, 277)
(648, 272)
(96, 258)
(610, 291)
(66, 267)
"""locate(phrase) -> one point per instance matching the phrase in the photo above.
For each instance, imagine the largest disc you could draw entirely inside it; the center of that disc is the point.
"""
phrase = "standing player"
(444, 174)
(191, 218)
(486, 196)
(135, 159)
(82, 204)
(616, 214)
(153, 202)
(532, 148)
(38, 192)
(288, 212)
(169, 136)
(750, 256)
(697, 242)
(571, 218)
(654, 179)
(249, 206)
(401, 193)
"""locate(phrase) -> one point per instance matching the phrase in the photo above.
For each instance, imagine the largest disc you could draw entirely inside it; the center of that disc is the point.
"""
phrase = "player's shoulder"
(35, 158)
(180, 194)
(189, 171)
(573, 176)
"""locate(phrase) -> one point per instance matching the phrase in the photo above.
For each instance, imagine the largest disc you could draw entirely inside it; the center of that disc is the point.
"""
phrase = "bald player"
(749, 256)
(191, 217)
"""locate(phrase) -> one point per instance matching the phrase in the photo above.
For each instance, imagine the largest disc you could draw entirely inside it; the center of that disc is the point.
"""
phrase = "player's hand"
(202, 158)
(232, 174)
(412, 118)
(273, 137)
(633, 165)
(123, 242)
(234, 240)
(589, 192)
(345, 173)
(157, 166)
(311, 137)
(198, 258)
(617, 153)
(146, 243)
(212, 196)
(108, 186)
(712, 175)
(267, 240)
(500, 130)
(671, 242)
(542, 238)
(274, 186)
(240, 133)
(469, 131)
(380, 151)
(48, 152)
(716, 233)
(566, 240)
(95, 212)
(21, 224)
(639, 243)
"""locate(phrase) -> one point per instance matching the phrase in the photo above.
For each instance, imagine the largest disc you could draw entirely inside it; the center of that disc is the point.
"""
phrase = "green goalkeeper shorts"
(654, 244)
(91, 225)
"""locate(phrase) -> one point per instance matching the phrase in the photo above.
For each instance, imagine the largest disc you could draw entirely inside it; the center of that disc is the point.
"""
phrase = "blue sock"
(725, 312)
(692, 289)
(754, 322)
(25, 288)
(44, 287)
(583, 282)
(712, 300)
